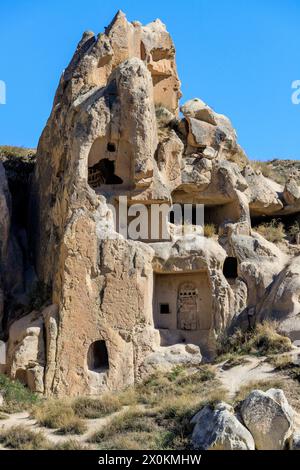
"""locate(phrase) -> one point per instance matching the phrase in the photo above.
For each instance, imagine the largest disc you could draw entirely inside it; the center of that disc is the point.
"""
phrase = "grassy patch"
(71, 444)
(234, 362)
(12, 151)
(286, 364)
(91, 408)
(263, 339)
(272, 231)
(263, 385)
(22, 438)
(132, 420)
(269, 171)
(55, 414)
(16, 396)
(74, 426)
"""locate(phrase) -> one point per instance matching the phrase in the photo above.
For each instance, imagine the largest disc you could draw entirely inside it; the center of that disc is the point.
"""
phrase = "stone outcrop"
(116, 298)
(217, 428)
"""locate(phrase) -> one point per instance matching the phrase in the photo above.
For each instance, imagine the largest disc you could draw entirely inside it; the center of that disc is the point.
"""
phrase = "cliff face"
(118, 307)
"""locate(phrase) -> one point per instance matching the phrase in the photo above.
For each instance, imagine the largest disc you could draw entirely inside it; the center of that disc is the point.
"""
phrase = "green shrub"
(16, 396)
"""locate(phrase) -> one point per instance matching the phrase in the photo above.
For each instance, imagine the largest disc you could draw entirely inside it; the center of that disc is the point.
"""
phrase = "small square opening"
(164, 308)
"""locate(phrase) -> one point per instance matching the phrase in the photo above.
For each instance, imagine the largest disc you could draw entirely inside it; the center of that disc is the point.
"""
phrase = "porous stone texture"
(112, 306)
(217, 428)
(269, 418)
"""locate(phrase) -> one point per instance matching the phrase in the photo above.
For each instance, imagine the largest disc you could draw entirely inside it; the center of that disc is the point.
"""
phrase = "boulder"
(291, 192)
(295, 441)
(197, 109)
(269, 418)
(219, 429)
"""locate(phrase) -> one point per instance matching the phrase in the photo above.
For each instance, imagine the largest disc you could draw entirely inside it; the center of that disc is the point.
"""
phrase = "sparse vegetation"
(263, 385)
(71, 444)
(269, 171)
(55, 414)
(263, 339)
(22, 438)
(96, 407)
(294, 230)
(287, 364)
(73, 426)
(273, 231)
(13, 151)
(16, 396)
(210, 230)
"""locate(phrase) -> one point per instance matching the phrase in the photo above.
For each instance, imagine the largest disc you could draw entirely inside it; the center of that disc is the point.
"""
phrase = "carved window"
(98, 357)
(164, 309)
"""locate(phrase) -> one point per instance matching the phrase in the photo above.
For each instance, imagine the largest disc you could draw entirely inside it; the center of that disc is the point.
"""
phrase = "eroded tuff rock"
(118, 305)
(269, 418)
(217, 428)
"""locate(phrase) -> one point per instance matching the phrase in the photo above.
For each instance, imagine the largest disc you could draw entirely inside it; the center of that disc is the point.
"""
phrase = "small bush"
(209, 230)
(74, 426)
(71, 444)
(132, 420)
(16, 396)
(91, 408)
(272, 231)
(263, 339)
(54, 414)
(21, 438)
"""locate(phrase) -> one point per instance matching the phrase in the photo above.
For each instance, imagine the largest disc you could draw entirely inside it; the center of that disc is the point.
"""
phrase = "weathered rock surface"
(218, 428)
(119, 305)
(269, 418)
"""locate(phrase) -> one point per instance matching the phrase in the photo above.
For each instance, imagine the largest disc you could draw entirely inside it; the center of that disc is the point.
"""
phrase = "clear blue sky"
(240, 56)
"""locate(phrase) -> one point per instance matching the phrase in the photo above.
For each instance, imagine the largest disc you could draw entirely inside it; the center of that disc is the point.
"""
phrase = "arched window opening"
(230, 268)
(98, 357)
(103, 173)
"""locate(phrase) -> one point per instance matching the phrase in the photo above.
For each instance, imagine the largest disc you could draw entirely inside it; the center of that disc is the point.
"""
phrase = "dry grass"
(269, 171)
(287, 364)
(91, 408)
(209, 230)
(167, 401)
(12, 151)
(263, 339)
(57, 414)
(71, 444)
(272, 231)
(22, 438)
(263, 385)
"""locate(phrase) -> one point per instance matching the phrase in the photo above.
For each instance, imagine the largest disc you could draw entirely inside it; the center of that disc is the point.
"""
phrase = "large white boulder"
(269, 418)
(218, 429)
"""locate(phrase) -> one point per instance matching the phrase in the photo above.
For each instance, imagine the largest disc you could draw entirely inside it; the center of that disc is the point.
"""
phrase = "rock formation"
(114, 306)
